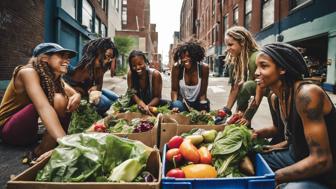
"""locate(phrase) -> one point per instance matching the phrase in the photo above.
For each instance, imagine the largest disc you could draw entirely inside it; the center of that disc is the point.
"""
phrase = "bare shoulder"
(156, 74)
(27, 73)
(310, 91)
(205, 66)
(311, 102)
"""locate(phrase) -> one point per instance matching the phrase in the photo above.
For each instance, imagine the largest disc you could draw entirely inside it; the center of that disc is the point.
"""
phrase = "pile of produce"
(83, 118)
(123, 102)
(100, 157)
(136, 125)
(200, 117)
(210, 154)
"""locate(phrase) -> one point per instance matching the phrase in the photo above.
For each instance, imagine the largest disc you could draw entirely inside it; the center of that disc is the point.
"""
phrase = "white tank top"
(190, 92)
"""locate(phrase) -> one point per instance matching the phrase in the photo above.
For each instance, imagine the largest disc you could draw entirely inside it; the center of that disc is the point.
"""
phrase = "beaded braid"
(49, 85)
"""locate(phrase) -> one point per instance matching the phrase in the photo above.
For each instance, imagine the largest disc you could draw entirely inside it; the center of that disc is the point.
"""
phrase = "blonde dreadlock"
(248, 45)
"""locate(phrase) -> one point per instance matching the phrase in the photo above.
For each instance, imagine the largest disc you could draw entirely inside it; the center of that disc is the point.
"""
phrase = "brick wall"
(21, 29)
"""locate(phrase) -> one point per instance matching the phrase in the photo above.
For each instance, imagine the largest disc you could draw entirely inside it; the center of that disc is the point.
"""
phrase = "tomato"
(176, 173)
(174, 155)
(221, 113)
(175, 142)
(199, 171)
(233, 119)
(189, 151)
(205, 155)
(99, 127)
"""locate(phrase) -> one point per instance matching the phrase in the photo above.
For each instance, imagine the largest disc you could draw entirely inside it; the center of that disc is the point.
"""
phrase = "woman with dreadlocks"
(36, 90)
(189, 79)
(87, 76)
(242, 50)
(307, 115)
(147, 82)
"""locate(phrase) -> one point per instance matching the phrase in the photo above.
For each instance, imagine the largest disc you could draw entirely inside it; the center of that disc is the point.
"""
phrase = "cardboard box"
(149, 138)
(26, 180)
(171, 125)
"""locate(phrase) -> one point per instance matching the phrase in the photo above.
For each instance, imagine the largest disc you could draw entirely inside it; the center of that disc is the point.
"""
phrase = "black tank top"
(298, 140)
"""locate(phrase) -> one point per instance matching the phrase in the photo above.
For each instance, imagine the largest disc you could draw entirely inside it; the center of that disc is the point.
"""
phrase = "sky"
(166, 15)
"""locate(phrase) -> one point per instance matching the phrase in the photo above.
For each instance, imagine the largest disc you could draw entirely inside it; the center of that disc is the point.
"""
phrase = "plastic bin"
(264, 179)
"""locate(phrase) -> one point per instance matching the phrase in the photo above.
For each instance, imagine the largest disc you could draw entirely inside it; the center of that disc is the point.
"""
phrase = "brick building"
(70, 23)
(136, 24)
(307, 24)
(176, 41)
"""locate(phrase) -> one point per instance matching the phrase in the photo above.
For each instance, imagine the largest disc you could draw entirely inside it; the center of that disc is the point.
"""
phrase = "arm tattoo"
(251, 110)
(315, 148)
(308, 169)
(313, 113)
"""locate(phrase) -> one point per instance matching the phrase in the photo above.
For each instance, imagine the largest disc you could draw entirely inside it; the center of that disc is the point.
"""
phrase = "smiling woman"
(189, 78)
(36, 90)
(147, 82)
(87, 78)
(307, 116)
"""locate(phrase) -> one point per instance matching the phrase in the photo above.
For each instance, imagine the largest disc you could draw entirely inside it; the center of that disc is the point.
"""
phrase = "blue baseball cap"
(45, 48)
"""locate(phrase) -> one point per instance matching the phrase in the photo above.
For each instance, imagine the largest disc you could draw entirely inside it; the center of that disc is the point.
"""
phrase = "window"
(69, 6)
(87, 15)
(103, 4)
(124, 2)
(235, 16)
(103, 30)
(296, 3)
(267, 13)
(248, 13)
(97, 24)
(213, 36)
(213, 7)
(124, 15)
(225, 23)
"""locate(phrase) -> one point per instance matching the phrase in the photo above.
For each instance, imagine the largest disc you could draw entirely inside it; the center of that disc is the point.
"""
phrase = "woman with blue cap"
(304, 113)
(36, 90)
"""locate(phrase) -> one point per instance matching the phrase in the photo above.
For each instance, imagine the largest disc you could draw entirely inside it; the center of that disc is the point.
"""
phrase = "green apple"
(210, 135)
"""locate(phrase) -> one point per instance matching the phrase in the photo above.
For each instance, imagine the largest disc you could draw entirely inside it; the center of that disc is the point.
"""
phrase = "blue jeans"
(106, 100)
(196, 105)
(283, 158)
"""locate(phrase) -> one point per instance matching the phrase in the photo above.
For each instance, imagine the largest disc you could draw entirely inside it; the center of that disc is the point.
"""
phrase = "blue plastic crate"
(264, 179)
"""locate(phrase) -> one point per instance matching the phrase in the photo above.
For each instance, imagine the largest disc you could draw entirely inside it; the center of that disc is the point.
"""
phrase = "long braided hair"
(92, 50)
(49, 83)
(248, 45)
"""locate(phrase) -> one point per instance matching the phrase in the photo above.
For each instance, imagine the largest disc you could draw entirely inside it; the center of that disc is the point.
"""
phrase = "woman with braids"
(242, 50)
(36, 90)
(307, 115)
(189, 79)
(147, 82)
(87, 76)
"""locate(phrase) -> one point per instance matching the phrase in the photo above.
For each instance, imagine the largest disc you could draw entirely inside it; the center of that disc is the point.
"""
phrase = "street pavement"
(218, 89)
